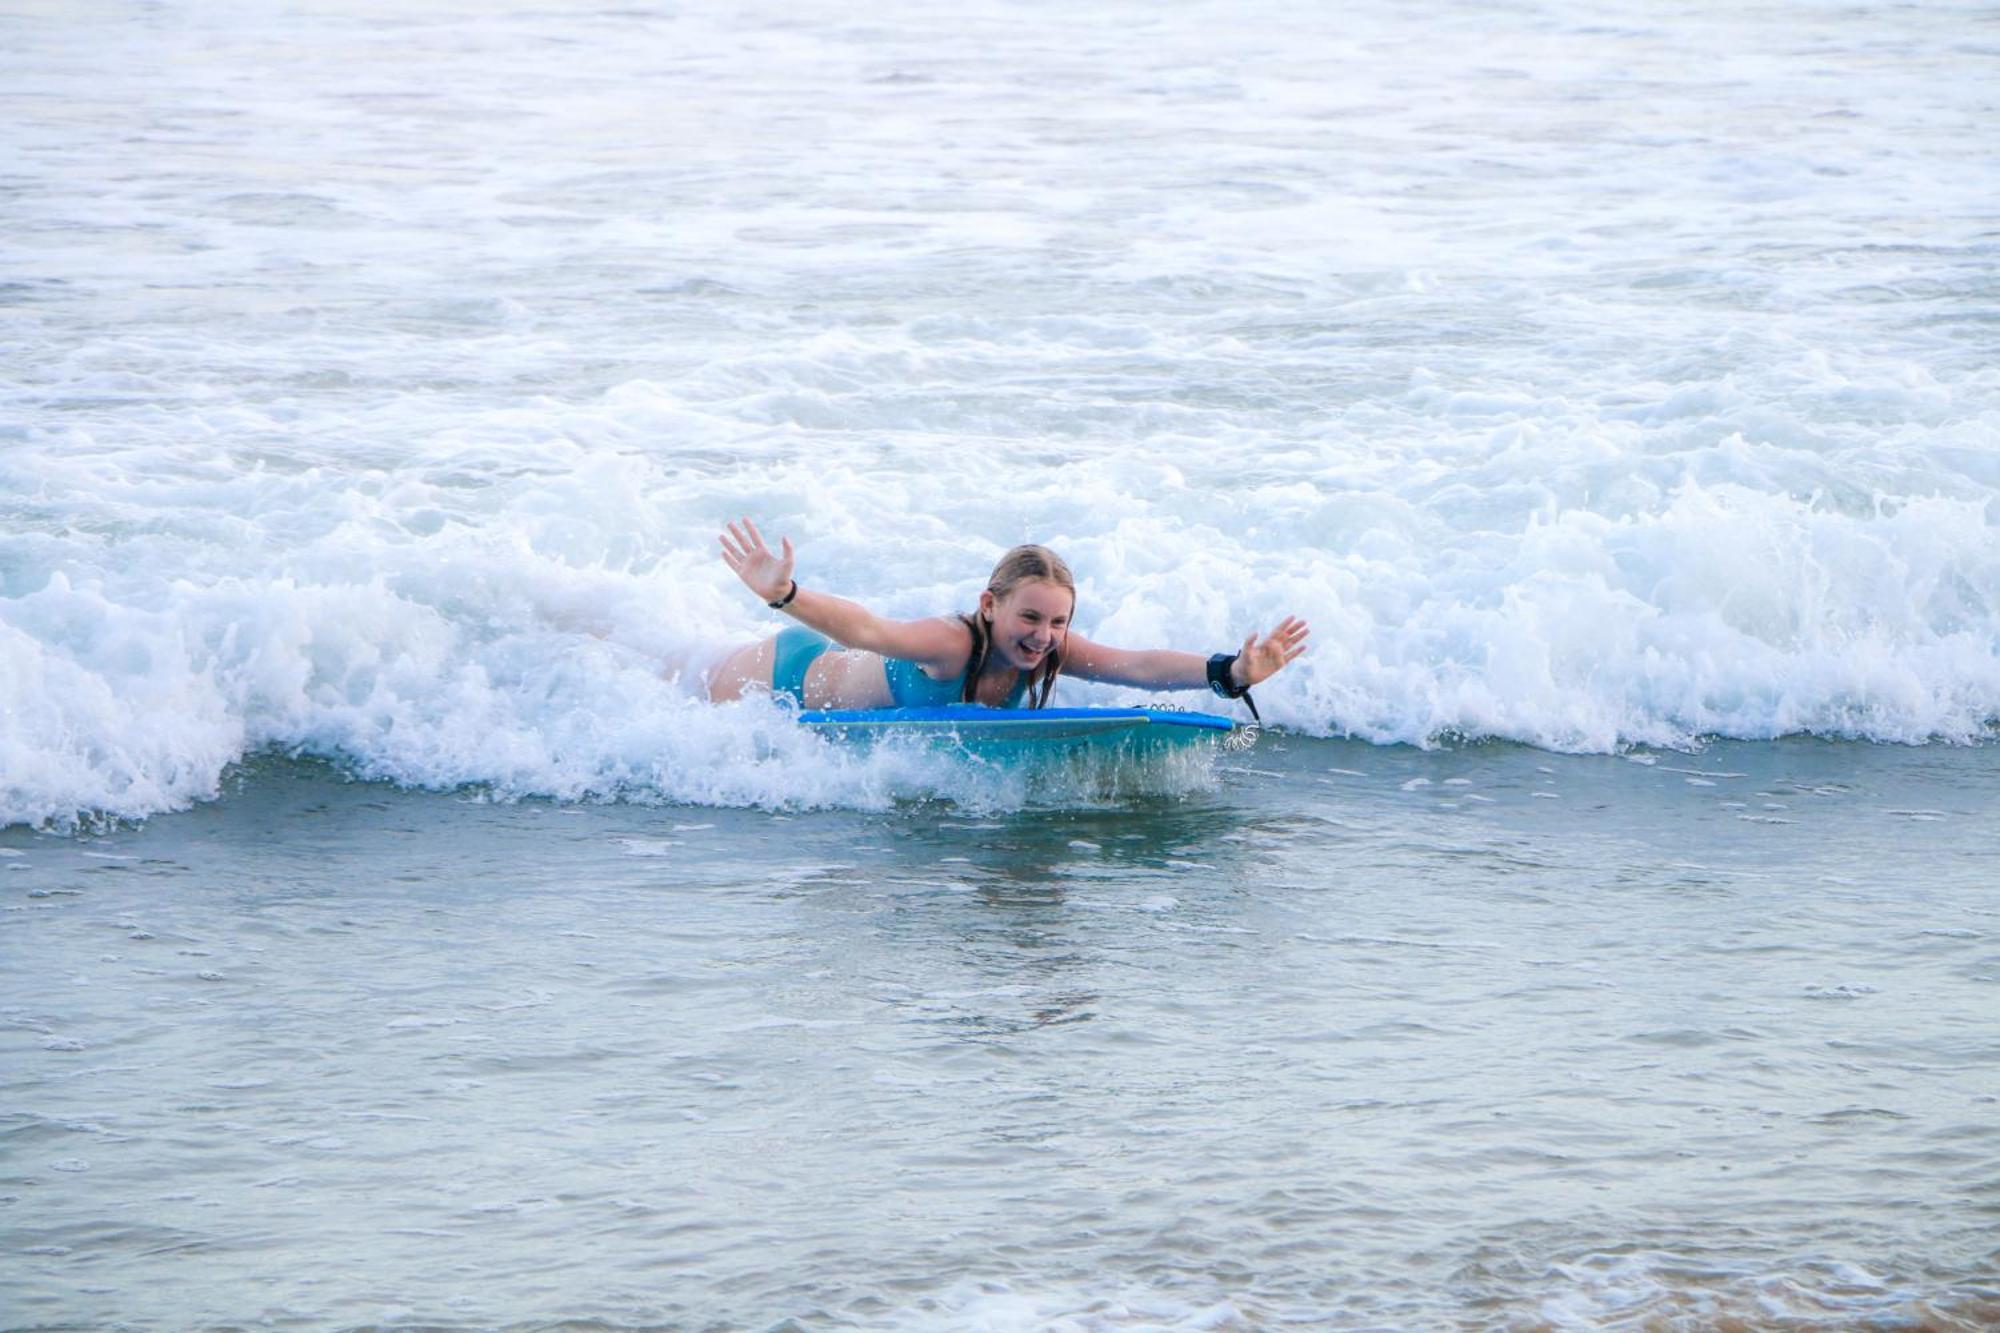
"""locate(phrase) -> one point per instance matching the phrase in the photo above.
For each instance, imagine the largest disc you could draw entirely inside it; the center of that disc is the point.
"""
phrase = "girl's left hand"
(1263, 658)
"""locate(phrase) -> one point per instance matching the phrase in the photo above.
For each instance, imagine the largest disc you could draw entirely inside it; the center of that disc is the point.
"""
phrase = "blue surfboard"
(1025, 730)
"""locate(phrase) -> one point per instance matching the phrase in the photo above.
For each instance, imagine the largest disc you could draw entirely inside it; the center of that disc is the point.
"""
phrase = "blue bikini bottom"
(797, 649)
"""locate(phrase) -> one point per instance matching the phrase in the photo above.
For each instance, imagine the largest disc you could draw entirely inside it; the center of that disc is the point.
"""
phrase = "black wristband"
(786, 600)
(1218, 676)
(1219, 681)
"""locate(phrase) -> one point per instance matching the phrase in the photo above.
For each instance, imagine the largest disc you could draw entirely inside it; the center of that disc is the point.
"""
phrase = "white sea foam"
(1586, 382)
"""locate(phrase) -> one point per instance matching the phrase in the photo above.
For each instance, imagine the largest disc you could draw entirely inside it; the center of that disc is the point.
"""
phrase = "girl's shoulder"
(941, 643)
(959, 632)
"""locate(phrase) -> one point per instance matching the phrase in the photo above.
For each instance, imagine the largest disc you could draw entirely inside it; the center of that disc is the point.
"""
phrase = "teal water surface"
(1345, 1037)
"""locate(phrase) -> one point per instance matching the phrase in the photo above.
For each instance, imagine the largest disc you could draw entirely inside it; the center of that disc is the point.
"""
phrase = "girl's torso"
(849, 678)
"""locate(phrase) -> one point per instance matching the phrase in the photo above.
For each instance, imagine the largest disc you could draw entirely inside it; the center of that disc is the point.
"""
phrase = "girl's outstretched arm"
(1167, 669)
(768, 573)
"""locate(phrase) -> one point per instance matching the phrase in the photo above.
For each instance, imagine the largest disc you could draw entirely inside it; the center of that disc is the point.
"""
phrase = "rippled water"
(386, 942)
(1357, 1038)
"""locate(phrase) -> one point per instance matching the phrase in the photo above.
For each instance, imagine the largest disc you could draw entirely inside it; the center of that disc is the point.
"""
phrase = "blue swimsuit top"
(911, 688)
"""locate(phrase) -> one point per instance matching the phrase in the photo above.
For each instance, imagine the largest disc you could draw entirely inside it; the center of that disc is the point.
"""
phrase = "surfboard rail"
(978, 723)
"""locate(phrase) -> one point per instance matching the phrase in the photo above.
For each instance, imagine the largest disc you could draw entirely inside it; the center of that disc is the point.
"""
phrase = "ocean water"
(1357, 1037)
(1603, 934)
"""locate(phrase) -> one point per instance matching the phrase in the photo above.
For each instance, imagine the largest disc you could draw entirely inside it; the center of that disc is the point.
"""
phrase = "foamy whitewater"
(1587, 377)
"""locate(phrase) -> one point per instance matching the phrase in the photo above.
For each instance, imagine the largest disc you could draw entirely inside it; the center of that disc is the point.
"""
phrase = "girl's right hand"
(767, 575)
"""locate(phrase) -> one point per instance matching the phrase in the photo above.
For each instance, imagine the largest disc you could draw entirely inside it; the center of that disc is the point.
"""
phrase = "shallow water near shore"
(1342, 1035)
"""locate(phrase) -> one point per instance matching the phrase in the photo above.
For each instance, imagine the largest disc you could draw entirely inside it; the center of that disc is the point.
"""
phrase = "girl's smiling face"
(1029, 622)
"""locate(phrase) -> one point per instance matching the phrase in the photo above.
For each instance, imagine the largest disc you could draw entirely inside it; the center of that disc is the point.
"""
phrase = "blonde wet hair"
(1023, 564)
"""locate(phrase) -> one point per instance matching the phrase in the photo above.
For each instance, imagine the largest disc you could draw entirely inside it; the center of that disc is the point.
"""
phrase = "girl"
(1006, 655)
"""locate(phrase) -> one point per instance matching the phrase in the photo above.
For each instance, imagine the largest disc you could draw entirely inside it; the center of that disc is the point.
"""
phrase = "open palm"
(767, 573)
(1263, 658)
